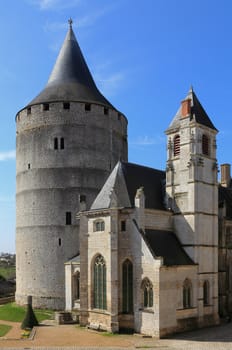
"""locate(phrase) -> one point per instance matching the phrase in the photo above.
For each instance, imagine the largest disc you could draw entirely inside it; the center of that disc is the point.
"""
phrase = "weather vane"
(70, 21)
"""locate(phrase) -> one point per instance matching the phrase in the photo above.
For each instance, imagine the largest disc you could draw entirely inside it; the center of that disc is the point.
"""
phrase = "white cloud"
(91, 18)
(7, 155)
(147, 141)
(54, 4)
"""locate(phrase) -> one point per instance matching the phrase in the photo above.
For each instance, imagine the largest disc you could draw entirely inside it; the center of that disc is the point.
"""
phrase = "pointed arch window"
(177, 145)
(206, 293)
(205, 145)
(127, 287)
(187, 294)
(99, 297)
(147, 289)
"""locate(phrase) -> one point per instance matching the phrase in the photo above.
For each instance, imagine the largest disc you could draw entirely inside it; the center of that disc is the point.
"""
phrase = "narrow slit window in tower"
(59, 241)
(68, 218)
(55, 143)
(28, 110)
(62, 143)
(123, 225)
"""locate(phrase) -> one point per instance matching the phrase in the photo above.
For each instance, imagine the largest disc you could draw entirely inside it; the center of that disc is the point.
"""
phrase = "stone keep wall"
(49, 184)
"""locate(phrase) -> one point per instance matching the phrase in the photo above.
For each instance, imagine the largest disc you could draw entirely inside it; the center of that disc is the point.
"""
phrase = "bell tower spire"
(192, 189)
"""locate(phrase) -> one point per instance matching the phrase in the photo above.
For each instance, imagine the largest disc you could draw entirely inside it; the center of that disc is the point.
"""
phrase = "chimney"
(225, 175)
(185, 108)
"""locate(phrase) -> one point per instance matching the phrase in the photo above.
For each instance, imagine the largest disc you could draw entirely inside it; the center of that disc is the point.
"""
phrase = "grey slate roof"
(75, 259)
(225, 196)
(125, 179)
(70, 79)
(198, 113)
(167, 245)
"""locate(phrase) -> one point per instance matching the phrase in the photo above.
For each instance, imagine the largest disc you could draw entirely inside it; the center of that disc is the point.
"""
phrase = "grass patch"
(7, 272)
(109, 334)
(15, 313)
(4, 329)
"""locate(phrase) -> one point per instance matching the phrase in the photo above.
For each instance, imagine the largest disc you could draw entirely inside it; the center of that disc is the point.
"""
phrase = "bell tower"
(192, 190)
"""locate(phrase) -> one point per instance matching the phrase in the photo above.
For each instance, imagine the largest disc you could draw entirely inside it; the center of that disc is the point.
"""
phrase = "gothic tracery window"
(99, 288)
(127, 286)
(147, 289)
(187, 294)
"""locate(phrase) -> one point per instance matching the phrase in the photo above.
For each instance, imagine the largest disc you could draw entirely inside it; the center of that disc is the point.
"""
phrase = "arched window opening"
(76, 286)
(127, 287)
(99, 299)
(147, 289)
(187, 294)
(205, 145)
(99, 225)
(177, 145)
(206, 293)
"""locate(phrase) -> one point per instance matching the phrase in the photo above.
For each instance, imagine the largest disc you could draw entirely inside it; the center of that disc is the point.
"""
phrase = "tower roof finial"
(70, 21)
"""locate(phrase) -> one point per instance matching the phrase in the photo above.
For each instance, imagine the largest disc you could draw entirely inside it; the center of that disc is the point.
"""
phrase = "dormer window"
(205, 145)
(99, 225)
(177, 145)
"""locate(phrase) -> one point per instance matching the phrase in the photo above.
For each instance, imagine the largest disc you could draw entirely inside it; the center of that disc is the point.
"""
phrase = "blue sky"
(144, 55)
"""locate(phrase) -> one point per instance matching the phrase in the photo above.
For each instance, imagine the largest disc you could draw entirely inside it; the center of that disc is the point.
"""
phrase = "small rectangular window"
(68, 218)
(88, 107)
(66, 105)
(119, 116)
(28, 110)
(45, 107)
(82, 198)
(59, 241)
(28, 166)
(62, 143)
(123, 225)
(106, 111)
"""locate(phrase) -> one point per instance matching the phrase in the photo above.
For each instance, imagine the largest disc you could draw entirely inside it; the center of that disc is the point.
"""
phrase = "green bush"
(30, 319)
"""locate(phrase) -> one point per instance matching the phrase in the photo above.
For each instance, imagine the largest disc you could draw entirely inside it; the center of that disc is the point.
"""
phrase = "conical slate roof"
(70, 79)
(197, 114)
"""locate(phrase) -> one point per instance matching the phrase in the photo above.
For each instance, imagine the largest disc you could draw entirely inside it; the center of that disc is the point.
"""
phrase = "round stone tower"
(68, 140)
